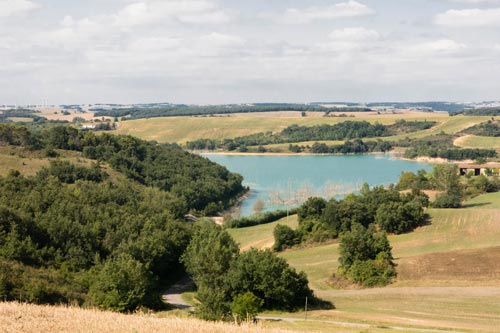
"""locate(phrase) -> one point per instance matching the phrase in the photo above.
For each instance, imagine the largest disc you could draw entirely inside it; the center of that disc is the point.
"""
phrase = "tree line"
(347, 130)
(176, 110)
(441, 145)
(490, 128)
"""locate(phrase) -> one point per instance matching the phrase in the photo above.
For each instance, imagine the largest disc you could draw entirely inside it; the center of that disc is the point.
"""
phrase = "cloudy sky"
(221, 51)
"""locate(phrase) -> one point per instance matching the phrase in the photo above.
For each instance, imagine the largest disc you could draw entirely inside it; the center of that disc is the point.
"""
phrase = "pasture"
(448, 275)
(472, 141)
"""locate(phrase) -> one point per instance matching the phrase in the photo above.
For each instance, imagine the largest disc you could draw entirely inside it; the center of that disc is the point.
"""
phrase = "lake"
(279, 181)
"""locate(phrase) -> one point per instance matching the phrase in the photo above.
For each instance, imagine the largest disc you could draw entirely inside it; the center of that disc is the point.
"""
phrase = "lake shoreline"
(395, 155)
(275, 179)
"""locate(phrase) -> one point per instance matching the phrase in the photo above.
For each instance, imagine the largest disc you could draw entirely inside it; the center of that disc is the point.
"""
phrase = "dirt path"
(173, 295)
(459, 142)
(359, 325)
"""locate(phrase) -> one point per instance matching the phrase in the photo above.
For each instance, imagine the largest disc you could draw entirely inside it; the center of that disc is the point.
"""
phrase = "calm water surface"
(282, 180)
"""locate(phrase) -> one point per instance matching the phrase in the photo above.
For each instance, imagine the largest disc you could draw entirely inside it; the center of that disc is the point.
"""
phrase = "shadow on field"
(471, 205)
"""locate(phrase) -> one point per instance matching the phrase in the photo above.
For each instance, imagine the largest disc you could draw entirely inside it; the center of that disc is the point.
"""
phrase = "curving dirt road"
(173, 295)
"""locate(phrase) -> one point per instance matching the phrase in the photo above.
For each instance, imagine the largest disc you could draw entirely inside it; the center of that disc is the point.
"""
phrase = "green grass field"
(489, 200)
(260, 236)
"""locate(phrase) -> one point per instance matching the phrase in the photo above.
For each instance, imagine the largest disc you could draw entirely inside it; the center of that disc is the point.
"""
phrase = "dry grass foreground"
(28, 318)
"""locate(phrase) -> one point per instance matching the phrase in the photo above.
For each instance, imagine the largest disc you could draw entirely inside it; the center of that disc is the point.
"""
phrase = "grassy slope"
(29, 163)
(260, 236)
(449, 274)
(490, 200)
(182, 129)
(472, 141)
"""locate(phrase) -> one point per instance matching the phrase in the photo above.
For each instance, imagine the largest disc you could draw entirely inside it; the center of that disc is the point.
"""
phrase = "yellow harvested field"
(29, 318)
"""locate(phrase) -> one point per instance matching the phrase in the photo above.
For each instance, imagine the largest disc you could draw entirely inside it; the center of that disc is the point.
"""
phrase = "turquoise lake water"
(282, 180)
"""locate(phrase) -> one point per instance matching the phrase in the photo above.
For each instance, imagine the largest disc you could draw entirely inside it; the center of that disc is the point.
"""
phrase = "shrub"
(371, 273)
(246, 307)
(284, 237)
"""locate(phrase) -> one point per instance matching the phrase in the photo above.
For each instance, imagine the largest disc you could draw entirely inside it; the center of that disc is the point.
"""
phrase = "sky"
(244, 51)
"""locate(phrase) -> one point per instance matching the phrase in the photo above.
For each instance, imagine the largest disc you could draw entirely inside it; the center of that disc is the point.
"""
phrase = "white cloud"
(13, 7)
(340, 10)
(441, 46)
(349, 40)
(470, 17)
(185, 11)
(357, 34)
(220, 40)
(476, 1)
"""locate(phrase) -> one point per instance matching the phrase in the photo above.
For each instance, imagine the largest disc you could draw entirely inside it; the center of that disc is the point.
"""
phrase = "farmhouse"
(479, 169)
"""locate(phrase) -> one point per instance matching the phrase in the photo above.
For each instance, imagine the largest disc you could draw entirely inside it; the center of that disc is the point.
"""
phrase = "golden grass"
(28, 318)
(30, 162)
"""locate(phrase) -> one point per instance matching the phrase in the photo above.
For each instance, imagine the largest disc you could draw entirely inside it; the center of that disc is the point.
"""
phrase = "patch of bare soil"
(464, 265)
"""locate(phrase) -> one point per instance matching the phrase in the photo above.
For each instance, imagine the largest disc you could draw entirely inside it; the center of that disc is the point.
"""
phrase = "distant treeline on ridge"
(207, 110)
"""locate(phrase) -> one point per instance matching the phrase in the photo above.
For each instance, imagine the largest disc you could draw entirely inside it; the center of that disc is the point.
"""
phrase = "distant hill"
(490, 111)
(148, 111)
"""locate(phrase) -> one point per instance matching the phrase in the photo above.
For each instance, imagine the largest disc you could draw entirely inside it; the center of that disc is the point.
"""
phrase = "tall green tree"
(366, 257)
(122, 284)
(208, 258)
(270, 278)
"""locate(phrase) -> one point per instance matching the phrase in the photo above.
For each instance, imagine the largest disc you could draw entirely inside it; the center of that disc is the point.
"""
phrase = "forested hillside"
(73, 233)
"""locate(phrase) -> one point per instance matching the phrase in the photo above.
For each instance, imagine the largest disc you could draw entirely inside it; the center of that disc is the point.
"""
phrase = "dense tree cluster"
(199, 184)
(366, 257)
(72, 233)
(356, 146)
(365, 252)
(68, 235)
(320, 220)
(441, 145)
(489, 128)
(223, 275)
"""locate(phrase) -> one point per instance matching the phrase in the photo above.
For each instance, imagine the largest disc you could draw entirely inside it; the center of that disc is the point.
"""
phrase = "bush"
(365, 256)
(398, 217)
(371, 273)
(448, 201)
(284, 237)
(270, 278)
(246, 307)
(123, 284)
